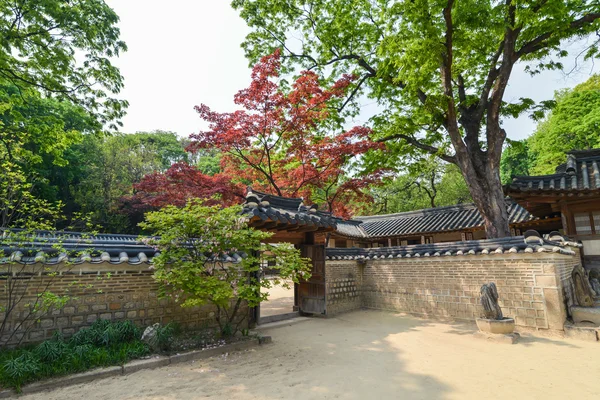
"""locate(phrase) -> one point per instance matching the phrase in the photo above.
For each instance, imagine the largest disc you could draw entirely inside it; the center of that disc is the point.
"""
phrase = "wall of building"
(105, 291)
(342, 286)
(591, 247)
(533, 288)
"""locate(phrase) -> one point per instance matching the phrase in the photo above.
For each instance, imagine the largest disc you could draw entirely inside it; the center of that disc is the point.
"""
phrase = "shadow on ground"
(368, 355)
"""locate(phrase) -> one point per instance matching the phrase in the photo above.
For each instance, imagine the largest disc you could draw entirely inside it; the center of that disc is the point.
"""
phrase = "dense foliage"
(435, 184)
(574, 124)
(438, 69)
(103, 344)
(64, 49)
(192, 268)
(284, 140)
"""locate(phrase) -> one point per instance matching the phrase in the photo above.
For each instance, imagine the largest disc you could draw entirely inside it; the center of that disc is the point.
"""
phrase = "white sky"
(186, 52)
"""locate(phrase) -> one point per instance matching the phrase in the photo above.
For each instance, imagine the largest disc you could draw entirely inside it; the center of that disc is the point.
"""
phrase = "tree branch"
(415, 142)
(541, 41)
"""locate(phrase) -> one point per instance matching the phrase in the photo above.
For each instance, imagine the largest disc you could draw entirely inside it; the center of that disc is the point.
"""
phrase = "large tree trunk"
(481, 171)
(489, 199)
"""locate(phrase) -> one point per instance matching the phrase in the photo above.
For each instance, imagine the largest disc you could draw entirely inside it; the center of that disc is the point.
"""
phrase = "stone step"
(582, 331)
(278, 317)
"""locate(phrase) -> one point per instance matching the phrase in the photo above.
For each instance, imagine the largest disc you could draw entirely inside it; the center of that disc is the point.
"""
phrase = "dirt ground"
(281, 301)
(369, 355)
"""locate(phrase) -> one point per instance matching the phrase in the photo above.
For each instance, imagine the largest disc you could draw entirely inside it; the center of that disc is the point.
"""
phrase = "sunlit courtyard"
(369, 355)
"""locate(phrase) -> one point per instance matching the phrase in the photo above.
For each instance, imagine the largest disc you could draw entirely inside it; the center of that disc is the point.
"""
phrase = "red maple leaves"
(280, 142)
(182, 182)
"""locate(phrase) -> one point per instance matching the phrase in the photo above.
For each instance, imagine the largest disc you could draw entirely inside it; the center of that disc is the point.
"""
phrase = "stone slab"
(589, 334)
(265, 340)
(150, 363)
(280, 323)
(586, 314)
(74, 379)
(279, 317)
(510, 338)
(7, 393)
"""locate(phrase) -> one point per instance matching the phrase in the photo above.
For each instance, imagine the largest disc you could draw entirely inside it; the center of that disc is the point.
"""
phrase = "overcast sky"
(186, 52)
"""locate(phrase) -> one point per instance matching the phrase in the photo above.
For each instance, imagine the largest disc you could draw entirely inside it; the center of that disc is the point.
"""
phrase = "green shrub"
(165, 335)
(103, 344)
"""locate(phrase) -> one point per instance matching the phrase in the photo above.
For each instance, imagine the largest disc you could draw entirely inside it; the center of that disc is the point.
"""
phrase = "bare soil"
(369, 355)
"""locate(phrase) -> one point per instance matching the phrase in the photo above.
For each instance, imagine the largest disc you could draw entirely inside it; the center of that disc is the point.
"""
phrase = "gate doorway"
(293, 222)
(304, 298)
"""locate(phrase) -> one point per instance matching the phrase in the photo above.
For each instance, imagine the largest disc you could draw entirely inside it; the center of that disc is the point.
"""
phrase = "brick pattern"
(530, 286)
(342, 282)
(564, 270)
(130, 294)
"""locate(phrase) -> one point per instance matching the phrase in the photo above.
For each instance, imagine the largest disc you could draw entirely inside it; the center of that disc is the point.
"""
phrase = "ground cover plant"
(103, 344)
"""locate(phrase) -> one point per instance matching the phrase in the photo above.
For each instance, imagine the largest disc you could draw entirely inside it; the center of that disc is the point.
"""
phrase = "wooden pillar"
(568, 221)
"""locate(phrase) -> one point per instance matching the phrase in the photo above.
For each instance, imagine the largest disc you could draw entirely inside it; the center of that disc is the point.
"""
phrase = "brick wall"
(342, 285)
(129, 293)
(564, 269)
(531, 286)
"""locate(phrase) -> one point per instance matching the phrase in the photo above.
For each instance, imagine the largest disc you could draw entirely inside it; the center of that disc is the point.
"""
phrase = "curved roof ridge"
(417, 213)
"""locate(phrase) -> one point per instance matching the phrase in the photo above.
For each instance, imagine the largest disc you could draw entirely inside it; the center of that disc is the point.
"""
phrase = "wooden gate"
(311, 293)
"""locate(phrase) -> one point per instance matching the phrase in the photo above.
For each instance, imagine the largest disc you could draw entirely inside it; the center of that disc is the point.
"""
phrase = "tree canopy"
(284, 140)
(574, 124)
(439, 70)
(63, 49)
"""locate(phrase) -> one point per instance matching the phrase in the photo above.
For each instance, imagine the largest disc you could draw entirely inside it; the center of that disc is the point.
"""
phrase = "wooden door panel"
(311, 293)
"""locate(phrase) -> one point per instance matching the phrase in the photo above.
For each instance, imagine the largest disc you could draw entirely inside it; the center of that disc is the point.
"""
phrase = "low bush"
(103, 344)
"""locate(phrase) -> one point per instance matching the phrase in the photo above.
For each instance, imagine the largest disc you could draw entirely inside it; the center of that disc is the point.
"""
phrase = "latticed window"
(587, 223)
(596, 218)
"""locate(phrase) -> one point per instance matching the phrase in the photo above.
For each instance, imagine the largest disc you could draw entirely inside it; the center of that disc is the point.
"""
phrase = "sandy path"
(370, 355)
(281, 301)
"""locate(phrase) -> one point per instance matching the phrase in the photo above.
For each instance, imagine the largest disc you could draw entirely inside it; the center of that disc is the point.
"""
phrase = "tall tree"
(439, 69)
(573, 124)
(426, 183)
(63, 48)
(282, 141)
(113, 165)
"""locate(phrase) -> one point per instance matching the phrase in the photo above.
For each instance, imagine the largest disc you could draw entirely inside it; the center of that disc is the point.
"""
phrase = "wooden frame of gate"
(309, 295)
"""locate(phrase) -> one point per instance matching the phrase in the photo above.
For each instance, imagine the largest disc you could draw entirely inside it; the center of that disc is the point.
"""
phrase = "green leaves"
(64, 49)
(573, 124)
(193, 268)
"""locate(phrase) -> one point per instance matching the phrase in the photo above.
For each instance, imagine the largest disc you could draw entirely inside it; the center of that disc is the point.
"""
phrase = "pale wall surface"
(533, 288)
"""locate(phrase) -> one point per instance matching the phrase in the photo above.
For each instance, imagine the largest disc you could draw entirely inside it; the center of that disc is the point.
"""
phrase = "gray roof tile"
(581, 172)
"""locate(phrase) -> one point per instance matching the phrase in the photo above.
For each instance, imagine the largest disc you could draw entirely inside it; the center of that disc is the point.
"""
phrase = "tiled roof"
(284, 212)
(530, 243)
(581, 173)
(440, 219)
(76, 248)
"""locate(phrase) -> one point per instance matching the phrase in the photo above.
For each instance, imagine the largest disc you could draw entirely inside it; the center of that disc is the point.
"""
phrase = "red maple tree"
(182, 182)
(285, 143)
(280, 142)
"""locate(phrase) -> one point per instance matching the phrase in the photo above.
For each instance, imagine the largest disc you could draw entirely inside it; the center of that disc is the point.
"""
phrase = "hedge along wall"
(533, 288)
(129, 293)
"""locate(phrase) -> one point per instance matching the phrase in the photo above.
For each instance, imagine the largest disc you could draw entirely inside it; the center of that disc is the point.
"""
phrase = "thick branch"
(422, 146)
(541, 41)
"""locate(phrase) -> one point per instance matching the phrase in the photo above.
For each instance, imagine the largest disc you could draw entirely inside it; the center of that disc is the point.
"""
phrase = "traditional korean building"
(573, 193)
(291, 220)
